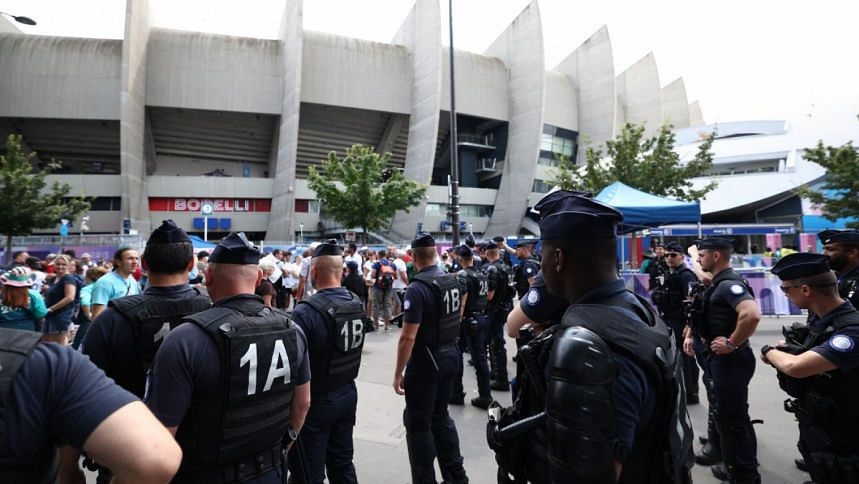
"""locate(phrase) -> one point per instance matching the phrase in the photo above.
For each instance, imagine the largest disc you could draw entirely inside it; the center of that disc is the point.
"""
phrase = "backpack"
(385, 277)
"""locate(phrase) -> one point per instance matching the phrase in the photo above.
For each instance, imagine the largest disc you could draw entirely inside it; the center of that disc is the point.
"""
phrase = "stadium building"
(157, 123)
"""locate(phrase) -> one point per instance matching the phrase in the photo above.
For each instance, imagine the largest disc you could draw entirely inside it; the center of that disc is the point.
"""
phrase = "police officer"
(614, 409)
(818, 366)
(527, 268)
(334, 321)
(50, 394)
(505, 250)
(669, 295)
(730, 316)
(842, 247)
(125, 337)
(500, 302)
(428, 353)
(233, 381)
(472, 336)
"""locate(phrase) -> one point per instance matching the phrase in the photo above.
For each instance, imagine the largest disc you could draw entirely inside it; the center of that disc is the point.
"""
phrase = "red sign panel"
(231, 205)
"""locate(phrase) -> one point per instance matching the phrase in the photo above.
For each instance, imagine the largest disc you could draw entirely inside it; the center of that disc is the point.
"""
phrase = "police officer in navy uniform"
(730, 317)
(527, 268)
(233, 382)
(499, 306)
(428, 353)
(818, 366)
(669, 295)
(472, 336)
(842, 247)
(52, 395)
(614, 400)
(334, 321)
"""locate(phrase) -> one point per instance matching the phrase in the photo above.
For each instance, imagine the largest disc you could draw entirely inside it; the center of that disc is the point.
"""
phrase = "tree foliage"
(27, 204)
(838, 196)
(648, 164)
(360, 190)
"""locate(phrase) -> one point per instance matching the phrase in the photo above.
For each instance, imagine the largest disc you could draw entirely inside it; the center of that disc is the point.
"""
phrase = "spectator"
(354, 282)
(62, 301)
(119, 283)
(384, 274)
(84, 311)
(266, 289)
(22, 306)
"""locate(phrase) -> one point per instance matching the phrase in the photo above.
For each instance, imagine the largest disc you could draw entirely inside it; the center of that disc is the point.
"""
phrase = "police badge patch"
(406, 305)
(842, 343)
(737, 289)
(533, 297)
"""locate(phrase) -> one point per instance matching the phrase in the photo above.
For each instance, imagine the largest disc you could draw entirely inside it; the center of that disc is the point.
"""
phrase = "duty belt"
(253, 465)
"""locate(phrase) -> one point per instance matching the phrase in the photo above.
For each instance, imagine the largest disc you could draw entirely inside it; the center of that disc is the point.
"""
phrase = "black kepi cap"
(235, 249)
(168, 233)
(575, 216)
(498, 238)
(714, 243)
(327, 248)
(849, 237)
(423, 239)
(546, 205)
(488, 245)
(675, 247)
(464, 251)
(800, 265)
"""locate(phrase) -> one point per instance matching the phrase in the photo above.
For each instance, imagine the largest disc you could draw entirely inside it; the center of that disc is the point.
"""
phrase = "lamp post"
(454, 148)
(301, 232)
(20, 19)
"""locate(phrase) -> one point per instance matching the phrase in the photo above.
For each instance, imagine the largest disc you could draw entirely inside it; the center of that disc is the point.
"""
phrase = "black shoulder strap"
(15, 347)
(322, 304)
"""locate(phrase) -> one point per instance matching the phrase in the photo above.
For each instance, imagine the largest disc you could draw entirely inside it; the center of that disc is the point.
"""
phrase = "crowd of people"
(239, 366)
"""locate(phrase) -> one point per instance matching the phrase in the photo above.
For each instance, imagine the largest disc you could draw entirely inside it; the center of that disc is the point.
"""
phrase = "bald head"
(326, 271)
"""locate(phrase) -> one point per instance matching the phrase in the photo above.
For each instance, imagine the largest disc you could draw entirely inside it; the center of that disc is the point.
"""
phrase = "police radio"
(693, 309)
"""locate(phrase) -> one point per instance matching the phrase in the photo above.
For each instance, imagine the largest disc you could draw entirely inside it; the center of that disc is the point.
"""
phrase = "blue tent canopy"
(641, 209)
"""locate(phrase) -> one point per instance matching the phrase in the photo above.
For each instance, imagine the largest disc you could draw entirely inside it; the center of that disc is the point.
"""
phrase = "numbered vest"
(248, 414)
(15, 346)
(339, 361)
(152, 319)
(448, 297)
(478, 290)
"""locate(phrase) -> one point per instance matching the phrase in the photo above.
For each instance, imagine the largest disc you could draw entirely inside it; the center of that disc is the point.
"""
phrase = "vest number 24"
(279, 366)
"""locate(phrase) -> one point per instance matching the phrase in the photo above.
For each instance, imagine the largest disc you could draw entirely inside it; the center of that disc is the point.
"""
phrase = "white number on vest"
(279, 366)
(484, 287)
(451, 301)
(353, 335)
(162, 333)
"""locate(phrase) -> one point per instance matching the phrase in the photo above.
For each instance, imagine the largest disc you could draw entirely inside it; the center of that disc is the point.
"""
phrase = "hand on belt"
(724, 346)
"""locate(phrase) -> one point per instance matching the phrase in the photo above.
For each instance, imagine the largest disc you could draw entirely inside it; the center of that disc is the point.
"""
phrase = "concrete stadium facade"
(161, 120)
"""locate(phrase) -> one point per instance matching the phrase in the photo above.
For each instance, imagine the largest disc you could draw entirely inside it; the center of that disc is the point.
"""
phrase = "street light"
(454, 145)
(301, 232)
(20, 19)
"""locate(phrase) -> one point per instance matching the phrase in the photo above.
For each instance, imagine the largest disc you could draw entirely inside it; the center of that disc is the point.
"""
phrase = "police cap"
(800, 265)
(498, 238)
(847, 237)
(572, 215)
(524, 243)
(327, 248)
(168, 233)
(488, 245)
(546, 204)
(469, 241)
(675, 247)
(464, 251)
(235, 249)
(423, 239)
(714, 243)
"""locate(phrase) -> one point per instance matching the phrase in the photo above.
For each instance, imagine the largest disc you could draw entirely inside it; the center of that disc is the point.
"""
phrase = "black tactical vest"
(15, 347)
(830, 397)
(663, 450)
(505, 287)
(478, 290)
(672, 306)
(248, 413)
(338, 362)
(720, 319)
(448, 296)
(848, 287)
(152, 318)
(521, 280)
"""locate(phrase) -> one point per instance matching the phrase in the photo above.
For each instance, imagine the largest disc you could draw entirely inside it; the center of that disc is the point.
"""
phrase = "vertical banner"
(808, 243)
(773, 241)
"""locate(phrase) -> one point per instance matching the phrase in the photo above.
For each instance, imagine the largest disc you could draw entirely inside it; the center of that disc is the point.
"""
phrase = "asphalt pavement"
(380, 447)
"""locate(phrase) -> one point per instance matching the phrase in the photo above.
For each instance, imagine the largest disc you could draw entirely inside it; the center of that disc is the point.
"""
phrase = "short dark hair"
(586, 255)
(168, 259)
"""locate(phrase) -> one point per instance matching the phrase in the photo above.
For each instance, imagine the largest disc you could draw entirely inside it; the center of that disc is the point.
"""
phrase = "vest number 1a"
(451, 301)
(279, 366)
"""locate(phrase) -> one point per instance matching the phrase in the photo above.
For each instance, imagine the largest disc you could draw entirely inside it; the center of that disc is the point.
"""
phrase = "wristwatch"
(730, 344)
(291, 434)
(766, 349)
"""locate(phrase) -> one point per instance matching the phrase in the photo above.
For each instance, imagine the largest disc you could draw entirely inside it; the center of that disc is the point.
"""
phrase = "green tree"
(360, 190)
(27, 204)
(648, 164)
(838, 196)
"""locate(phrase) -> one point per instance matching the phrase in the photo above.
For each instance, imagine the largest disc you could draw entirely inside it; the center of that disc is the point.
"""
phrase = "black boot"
(708, 455)
(482, 401)
(498, 358)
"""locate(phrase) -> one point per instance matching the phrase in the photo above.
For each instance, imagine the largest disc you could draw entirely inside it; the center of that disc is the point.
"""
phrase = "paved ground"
(380, 448)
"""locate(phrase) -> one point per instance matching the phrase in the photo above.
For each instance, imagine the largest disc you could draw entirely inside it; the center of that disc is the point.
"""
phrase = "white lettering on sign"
(219, 204)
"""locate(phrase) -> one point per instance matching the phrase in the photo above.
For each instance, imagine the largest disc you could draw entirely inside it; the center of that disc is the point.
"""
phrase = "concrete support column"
(675, 106)
(520, 47)
(280, 223)
(132, 124)
(591, 66)
(639, 96)
(421, 33)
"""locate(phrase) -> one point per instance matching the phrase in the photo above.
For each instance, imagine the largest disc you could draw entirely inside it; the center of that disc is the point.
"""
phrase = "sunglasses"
(786, 289)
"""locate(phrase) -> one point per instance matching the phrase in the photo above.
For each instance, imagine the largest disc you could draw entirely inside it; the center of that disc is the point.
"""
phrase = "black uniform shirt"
(58, 397)
(315, 325)
(419, 300)
(110, 344)
(540, 306)
(188, 360)
(848, 286)
(841, 348)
